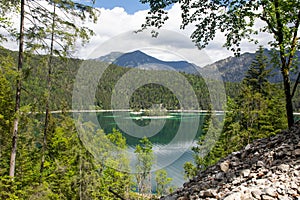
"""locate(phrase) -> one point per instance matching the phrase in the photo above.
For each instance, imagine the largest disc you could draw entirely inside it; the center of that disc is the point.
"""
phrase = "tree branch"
(116, 194)
(295, 86)
(294, 42)
(269, 25)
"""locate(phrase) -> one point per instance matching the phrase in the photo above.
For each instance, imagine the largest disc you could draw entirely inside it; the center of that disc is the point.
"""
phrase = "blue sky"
(130, 6)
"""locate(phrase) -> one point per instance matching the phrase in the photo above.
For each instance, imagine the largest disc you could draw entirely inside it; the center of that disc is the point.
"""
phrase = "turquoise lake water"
(173, 135)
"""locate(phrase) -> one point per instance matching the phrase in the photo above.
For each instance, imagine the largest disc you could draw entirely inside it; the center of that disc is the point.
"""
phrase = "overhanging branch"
(296, 84)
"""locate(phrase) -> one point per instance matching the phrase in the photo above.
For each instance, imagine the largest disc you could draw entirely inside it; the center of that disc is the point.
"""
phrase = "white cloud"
(115, 22)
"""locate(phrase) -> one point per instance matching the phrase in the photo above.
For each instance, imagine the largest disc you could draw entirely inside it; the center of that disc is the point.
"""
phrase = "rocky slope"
(267, 169)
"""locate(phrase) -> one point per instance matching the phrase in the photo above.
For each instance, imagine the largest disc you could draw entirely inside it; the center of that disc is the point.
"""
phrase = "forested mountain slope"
(64, 74)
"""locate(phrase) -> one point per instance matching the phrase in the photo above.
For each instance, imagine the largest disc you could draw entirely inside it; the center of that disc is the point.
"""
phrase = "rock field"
(266, 169)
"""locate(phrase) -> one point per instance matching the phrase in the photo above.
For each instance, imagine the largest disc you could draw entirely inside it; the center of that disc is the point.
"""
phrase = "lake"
(172, 135)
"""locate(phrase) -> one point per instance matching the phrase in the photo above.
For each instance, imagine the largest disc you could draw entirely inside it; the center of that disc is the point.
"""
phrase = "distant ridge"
(232, 69)
(144, 61)
(111, 57)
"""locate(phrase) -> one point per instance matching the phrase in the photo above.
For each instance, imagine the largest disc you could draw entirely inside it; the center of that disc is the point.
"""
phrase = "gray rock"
(260, 163)
(256, 194)
(245, 172)
(297, 152)
(271, 192)
(219, 176)
(233, 196)
(248, 147)
(224, 166)
(284, 167)
(267, 197)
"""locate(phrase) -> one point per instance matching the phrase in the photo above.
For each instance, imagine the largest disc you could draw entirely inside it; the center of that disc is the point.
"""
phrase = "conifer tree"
(257, 75)
(6, 117)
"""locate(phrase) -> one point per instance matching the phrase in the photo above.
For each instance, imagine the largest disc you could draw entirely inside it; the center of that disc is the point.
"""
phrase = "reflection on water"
(172, 134)
(164, 136)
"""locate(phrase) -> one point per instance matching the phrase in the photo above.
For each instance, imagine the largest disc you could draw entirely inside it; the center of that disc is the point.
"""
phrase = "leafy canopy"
(236, 18)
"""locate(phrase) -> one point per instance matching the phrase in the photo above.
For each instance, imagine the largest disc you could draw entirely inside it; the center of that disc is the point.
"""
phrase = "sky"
(130, 6)
(119, 18)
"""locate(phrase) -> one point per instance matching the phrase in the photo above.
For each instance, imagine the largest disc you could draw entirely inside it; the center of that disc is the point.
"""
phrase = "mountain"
(144, 61)
(110, 58)
(232, 69)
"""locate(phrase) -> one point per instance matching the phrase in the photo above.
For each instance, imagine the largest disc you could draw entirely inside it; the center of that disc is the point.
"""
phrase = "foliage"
(145, 158)
(257, 112)
(257, 75)
(55, 24)
(70, 170)
(162, 181)
(7, 188)
(235, 18)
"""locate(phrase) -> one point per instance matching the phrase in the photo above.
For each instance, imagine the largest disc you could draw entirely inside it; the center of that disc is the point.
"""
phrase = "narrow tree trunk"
(12, 165)
(288, 97)
(287, 89)
(285, 65)
(46, 124)
(80, 175)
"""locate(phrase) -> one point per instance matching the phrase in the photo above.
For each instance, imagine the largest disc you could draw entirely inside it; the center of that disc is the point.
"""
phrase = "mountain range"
(232, 69)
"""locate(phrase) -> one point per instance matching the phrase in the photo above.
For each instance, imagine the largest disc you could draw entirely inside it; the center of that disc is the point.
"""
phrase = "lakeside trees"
(256, 112)
(237, 19)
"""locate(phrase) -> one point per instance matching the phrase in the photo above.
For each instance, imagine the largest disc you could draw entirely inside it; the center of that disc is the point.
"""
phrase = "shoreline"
(136, 112)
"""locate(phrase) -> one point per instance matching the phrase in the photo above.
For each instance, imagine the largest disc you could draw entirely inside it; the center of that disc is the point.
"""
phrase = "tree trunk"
(288, 96)
(18, 94)
(285, 65)
(46, 124)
